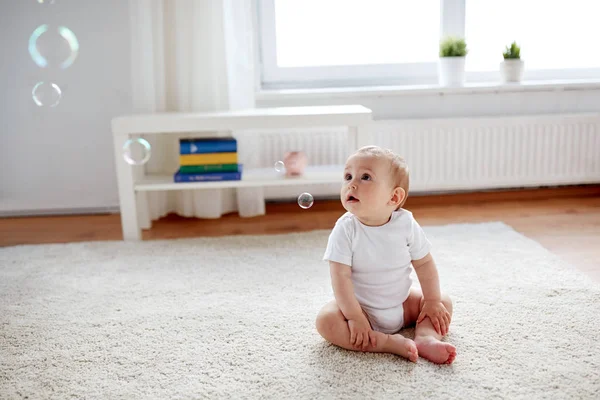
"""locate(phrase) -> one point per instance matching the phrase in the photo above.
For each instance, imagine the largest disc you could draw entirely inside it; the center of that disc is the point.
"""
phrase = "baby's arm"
(343, 289)
(428, 278)
(432, 297)
(339, 254)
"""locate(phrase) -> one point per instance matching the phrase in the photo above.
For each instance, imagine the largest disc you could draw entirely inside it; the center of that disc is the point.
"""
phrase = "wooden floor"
(564, 220)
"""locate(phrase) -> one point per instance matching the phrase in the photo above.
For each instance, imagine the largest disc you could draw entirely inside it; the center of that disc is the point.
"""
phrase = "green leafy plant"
(452, 46)
(512, 52)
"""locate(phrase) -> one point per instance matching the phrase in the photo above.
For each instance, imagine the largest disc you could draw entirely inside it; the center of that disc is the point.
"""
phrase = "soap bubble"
(46, 94)
(53, 47)
(305, 200)
(136, 151)
(279, 166)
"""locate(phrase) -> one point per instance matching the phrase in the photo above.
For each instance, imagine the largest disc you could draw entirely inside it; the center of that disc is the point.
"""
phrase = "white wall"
(61, 158)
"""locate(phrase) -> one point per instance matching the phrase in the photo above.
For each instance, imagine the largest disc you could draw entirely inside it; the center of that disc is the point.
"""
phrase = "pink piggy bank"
(295, 162)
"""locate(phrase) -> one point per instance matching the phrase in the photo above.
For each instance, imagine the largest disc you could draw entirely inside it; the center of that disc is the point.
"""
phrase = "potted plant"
(512, 67)
(451, 66)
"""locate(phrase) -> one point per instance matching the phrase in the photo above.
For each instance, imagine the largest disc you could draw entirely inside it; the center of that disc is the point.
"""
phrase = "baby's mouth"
(352, 199)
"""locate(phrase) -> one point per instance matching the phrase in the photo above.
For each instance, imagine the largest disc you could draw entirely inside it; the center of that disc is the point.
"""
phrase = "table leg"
(127, 196)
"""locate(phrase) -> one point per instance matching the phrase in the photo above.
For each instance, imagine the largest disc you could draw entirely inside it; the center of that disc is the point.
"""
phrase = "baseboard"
(61, 211)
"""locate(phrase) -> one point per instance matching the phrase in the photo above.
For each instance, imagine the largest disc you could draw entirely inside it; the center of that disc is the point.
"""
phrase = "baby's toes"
(451, 353)
(413, 353)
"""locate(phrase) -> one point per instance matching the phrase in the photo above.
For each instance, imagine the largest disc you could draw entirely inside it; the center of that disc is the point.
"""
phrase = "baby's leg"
(333, 326)
(426, 338)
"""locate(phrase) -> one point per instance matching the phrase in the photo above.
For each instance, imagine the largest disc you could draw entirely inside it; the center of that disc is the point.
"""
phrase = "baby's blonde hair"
(398, 167)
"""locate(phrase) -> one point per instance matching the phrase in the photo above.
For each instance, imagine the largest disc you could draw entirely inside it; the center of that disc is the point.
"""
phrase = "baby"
(370, 251)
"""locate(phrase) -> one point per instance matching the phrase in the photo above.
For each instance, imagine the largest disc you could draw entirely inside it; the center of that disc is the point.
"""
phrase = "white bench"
(355, 117)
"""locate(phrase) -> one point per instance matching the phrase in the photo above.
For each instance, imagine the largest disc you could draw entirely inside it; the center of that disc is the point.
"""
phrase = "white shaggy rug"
(234, 318)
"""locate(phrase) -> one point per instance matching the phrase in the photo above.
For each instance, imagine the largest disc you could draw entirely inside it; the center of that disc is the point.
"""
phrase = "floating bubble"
(279, 166)
(305, 200)
(136, 151)
(46, 94)
(53, 46)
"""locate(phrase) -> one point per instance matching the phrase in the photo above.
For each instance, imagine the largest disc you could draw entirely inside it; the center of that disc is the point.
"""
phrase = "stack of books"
(208, 159)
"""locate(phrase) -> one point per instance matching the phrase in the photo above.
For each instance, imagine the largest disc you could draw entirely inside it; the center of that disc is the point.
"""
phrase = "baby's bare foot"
(403, 347)
(435, 350)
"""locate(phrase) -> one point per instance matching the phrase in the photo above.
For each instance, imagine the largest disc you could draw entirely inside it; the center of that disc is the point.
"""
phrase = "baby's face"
(367, 187)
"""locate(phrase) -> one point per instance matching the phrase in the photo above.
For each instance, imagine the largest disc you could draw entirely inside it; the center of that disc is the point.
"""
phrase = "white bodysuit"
(380, 258)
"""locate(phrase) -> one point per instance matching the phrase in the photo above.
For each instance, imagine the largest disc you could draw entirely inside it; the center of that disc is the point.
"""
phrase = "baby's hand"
(361, 333)
(437, 313)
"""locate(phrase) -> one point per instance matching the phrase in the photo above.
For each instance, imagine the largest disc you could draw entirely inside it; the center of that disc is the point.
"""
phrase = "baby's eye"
(366, 177)
(347, 177)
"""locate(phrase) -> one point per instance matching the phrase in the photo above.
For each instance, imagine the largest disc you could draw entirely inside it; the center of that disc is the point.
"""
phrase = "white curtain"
(193, 56)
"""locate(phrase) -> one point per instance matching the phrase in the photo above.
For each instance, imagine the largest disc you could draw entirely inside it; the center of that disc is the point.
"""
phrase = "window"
(339, 41)
(318, 43)
(366, 32)
(553, 35)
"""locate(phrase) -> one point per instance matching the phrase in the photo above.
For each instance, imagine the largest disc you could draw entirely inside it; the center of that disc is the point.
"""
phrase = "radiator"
(460, 154)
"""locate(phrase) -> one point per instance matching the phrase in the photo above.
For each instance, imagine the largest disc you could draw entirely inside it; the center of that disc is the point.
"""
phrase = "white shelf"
(251, 178)
(355, 117)
(257, 118)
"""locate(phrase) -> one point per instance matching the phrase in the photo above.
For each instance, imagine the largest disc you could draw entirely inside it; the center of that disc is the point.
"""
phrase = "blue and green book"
(208, 159)
(209, 176)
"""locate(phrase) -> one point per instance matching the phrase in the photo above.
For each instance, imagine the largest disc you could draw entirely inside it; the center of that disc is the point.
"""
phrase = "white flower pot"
(511, 70)
(451, 71)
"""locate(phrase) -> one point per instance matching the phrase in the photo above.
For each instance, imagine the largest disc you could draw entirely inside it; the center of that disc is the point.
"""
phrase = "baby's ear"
(398, 196)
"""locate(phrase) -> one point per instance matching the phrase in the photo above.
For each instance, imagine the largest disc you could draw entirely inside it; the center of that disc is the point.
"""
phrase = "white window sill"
(419, 90)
